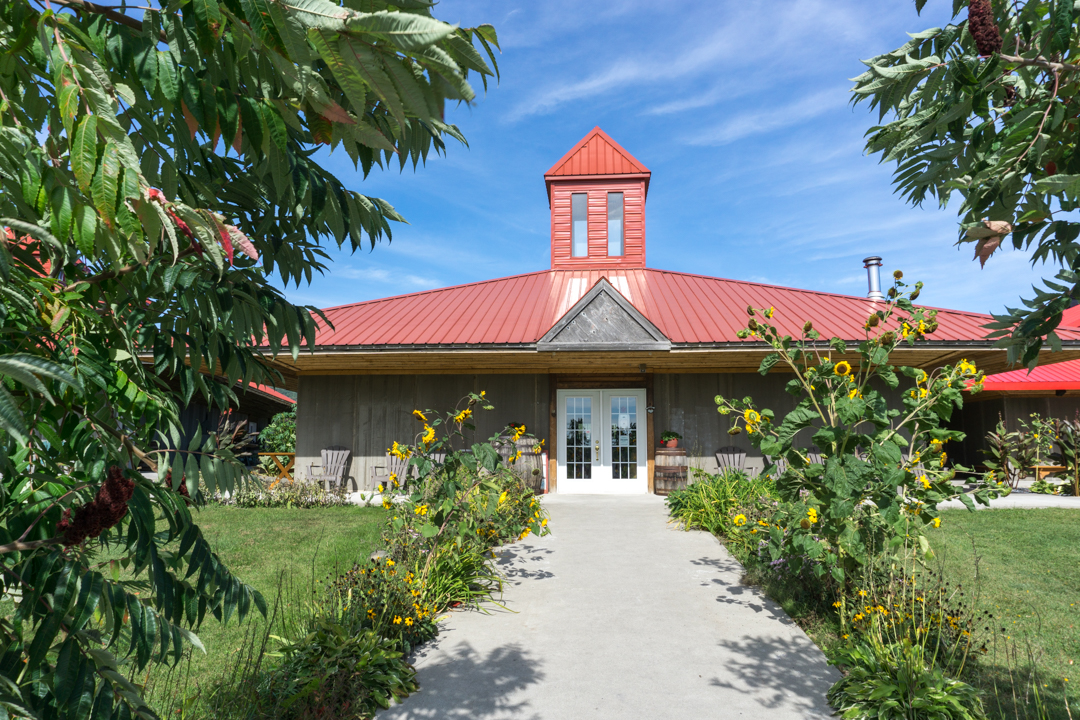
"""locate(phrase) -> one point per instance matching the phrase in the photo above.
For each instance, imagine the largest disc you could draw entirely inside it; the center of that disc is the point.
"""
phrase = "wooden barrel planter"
(669, 470)
(530, 466)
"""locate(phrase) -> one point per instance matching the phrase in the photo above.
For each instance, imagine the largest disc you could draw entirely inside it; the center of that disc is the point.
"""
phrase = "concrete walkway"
(618, 614)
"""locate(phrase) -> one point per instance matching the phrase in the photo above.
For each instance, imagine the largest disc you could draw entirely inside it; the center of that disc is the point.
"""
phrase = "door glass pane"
(624, 437)
(579, 449)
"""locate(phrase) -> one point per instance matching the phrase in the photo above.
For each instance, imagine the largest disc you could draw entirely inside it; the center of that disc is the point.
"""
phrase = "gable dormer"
(597, 197)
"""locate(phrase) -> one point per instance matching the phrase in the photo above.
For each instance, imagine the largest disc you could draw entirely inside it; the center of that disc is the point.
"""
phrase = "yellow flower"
(739, 520)
(543, 523)
(419, 416)
(482, 393)
(387, 504)
(429, 435)
(393, 480)
(854, 394)
(769, 312)
(397, 619)
(837, 604)
(842, 368)
(502, 498)
(863, 593)
(811, 515)
(390, 563)
(420, 510)
(380, 488)
(408, 621)
(925, 482)
(371, 614)
(937, 522)
(524, 534)
(751, 417)
(462, 416)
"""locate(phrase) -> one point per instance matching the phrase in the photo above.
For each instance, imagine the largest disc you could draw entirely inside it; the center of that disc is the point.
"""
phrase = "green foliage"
(280, 434)
(894, 682)
(155, 173)
(729, 505)
(670, 435)
(990, 114)
(1011, 455)
(1067, 440)
(883, 469)
(289, 494)
(336, 671)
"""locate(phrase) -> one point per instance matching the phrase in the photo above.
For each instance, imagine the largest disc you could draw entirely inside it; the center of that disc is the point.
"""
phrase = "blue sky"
(741, 111)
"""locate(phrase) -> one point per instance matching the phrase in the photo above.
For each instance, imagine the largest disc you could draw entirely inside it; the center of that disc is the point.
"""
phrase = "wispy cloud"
(771, 119)
(387, 276)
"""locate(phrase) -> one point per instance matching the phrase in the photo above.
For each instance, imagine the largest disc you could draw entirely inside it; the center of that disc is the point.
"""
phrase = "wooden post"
(553, 435)
(651, 451)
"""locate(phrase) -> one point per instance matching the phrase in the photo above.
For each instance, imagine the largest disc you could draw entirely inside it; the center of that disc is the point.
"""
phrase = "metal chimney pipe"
(873, 277)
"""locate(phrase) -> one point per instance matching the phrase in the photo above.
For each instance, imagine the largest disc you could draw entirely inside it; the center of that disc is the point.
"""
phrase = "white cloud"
(385, 276)
(769, 120)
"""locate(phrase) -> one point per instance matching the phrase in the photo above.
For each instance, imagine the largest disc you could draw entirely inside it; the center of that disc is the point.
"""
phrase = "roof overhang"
(735, 357)
(549, 179)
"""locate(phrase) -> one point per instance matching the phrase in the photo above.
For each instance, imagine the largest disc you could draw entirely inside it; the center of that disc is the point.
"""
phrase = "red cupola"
(597, 197)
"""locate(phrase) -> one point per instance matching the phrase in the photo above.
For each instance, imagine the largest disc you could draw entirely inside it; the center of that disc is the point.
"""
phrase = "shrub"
(384, 596)
(894, 681)
(335, 671)
(278, 436)
(882, 470)
(288, 494)
(729, 504)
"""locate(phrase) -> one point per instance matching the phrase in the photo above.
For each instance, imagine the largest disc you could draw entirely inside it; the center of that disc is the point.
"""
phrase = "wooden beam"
(651, 430)
(553, 447)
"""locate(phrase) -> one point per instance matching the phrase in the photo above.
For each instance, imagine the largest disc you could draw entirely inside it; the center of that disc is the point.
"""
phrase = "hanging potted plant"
(670, 438)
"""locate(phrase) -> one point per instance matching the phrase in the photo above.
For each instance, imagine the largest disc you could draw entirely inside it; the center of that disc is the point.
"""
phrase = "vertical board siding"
(367, 413)
(633, 224)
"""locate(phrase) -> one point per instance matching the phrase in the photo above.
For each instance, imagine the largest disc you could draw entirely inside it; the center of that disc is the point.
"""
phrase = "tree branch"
(1041, 62)
(133, 23)
(109, 275)
(24, 546)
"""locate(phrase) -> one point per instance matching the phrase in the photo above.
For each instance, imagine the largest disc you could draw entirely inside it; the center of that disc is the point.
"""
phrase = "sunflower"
(419, 416)
(842, 368)
(751, 416)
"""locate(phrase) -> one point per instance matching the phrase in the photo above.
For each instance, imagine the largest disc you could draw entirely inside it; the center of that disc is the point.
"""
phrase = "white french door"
(602, 441)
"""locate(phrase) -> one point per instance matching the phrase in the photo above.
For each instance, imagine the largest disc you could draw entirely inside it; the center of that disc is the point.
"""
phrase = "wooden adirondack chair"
(731, 458)
(332, 470)
(779, 466)
(394, 466)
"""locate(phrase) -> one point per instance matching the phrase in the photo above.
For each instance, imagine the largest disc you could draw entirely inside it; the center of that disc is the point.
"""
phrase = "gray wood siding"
(367, 413)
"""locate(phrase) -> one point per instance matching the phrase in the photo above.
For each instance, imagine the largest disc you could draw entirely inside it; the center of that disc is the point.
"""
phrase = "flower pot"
(671, 443)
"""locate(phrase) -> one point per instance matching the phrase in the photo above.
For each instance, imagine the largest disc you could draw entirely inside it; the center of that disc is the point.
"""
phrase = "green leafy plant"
(288, 494)
(1011, 454)
(335, 671)
(883, 470)
(158, 179)
(1067, 439)
(1042, 486)
(278, 436)
(670, 435)
(985, 108)
(729, 504)
(894, 682)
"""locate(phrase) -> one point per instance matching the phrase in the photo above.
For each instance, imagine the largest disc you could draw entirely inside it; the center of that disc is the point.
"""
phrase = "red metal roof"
(688, 309)
(1058, 376)
(597, 154)
(266, 389)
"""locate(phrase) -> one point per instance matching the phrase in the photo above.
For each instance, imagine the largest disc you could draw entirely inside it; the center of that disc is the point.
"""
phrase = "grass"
(262, 546)
(1029, 579)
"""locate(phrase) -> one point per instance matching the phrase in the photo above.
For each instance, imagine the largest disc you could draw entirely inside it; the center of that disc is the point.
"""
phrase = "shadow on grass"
(465, 684)
(781, 673)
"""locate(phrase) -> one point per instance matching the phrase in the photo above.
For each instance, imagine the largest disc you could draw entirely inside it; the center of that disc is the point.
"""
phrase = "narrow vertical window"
(579, 237)
(615, 223)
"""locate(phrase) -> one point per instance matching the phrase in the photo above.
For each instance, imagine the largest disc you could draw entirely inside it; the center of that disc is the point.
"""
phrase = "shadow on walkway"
(468, 685)
(780, 673)
(518, 562)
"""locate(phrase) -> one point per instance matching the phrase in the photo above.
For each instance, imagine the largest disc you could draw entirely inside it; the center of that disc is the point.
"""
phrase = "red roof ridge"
(597, 132)
(824, 293)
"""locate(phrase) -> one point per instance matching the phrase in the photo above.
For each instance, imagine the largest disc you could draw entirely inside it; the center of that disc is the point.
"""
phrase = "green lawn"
(1029, 578)
(261, 545)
